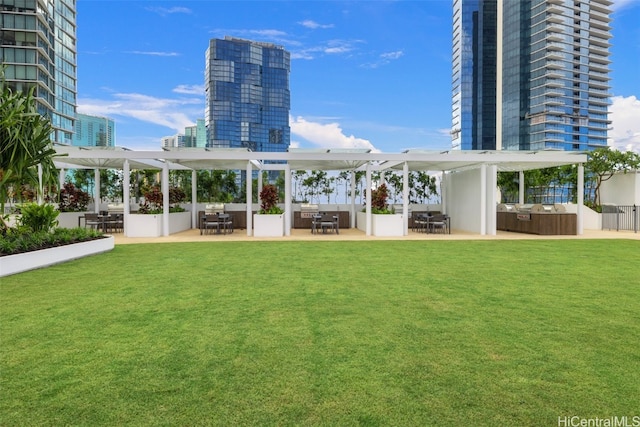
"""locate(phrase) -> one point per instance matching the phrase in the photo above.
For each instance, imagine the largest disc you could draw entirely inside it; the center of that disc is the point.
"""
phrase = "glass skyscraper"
(247, 95)
(38, 49)
(530, 74)
(93, 131)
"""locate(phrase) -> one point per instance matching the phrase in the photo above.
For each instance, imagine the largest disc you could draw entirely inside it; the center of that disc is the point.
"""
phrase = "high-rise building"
(94, 131)
(247, 95)
(38, 49)
(196, 136)
(530, 75)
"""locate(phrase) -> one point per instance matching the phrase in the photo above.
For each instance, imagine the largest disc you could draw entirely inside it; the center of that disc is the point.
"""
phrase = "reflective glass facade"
(474, 74)
(93, 131)
(247, 95)
(38, 47)
(555, 74)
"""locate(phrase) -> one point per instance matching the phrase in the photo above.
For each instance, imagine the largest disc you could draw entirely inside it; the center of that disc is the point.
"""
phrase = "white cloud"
(625, 118)
(163, 11)
(189, 89)
(328, 135)
(384, 59)
(171, 113)
(621, 4)
(151, 53)
(308, 23)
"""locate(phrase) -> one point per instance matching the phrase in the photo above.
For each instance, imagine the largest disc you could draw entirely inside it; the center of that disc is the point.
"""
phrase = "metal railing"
(621, 218)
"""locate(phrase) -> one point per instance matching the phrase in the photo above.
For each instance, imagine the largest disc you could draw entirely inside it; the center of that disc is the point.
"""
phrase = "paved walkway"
(355, 234)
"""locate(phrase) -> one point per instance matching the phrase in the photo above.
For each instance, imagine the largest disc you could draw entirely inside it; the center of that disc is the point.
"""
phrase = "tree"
(24, 143)
(603, 163)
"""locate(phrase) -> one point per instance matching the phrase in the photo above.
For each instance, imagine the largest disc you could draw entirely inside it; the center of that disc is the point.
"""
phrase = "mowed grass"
(386, 333)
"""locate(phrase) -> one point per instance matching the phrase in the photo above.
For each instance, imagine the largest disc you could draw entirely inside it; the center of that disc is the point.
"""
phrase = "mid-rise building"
(94, 131)
(531, 75)
(38, 49)
(247, 95)
(173, 141)
(196, 136)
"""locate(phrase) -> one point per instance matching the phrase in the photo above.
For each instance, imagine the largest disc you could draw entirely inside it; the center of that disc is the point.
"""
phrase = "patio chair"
(92, 220)
(316, 221)
(438, 223)
(420, 222)
(225, 222)
(209, 222)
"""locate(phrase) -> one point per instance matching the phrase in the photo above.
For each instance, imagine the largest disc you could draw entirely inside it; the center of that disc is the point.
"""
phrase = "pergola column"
(521, 188)
(352, 215)
(126, 192)
(580, 201)
(368, 205)
(483, 199)
(96, 191)
(165, 199)
(194, 199)
(288, 208)
(249, 198)
(405, 198)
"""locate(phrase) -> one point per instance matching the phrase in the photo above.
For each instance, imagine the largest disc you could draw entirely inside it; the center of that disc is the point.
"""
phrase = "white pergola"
(469, 178)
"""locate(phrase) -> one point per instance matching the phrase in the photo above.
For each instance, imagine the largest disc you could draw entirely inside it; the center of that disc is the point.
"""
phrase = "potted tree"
(269, 221)
(384, 221)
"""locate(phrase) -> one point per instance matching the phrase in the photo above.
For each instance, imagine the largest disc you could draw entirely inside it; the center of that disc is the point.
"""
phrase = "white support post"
(352, 214)
(61, 177)
(96, 191)
(126, 193)
(368, 206)
(444, 182)
(483, 199)
(405, 198)
(194, 199)
(492, 203)
(40, 196)
(249, 198)
(288, 210)
(580, 212)
(521, 188)
(165, 199)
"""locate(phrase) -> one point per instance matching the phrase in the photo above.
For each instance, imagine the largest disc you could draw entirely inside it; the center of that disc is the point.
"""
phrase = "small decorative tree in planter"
(379, 199)
(148, 221)
(269, 200)
(384, 221)
(153, 201)
(269, 221)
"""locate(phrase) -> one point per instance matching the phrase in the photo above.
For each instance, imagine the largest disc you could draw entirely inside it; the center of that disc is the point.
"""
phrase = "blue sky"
(369, 74)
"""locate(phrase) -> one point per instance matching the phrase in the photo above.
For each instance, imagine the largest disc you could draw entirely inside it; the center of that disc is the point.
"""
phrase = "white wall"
(463, 200)
(621, 189)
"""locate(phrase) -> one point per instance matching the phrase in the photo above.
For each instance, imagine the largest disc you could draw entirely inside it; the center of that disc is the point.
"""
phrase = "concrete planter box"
(268, 225)
(148, 225)
(71, 219)
(381, 224)
(12, 264)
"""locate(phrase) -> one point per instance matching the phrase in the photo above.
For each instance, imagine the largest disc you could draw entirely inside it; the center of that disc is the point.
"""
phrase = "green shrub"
(38, 217)
(21, 239)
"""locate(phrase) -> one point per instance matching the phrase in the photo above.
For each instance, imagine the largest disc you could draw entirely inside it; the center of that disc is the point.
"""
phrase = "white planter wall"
(12, 264)
(268, 225)
(146, 225)
(70, 219)
(381, 224)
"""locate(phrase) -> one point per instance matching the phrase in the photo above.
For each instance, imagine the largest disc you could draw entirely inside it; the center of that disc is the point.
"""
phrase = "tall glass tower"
(247, 95)
(531, 74)
(38, 49)
(94, 131)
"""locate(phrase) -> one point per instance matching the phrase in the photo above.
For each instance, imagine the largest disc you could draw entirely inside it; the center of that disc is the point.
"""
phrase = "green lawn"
(391, 333)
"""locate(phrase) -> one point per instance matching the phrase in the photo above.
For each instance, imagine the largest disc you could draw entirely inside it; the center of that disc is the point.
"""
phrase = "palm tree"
(24, 144)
